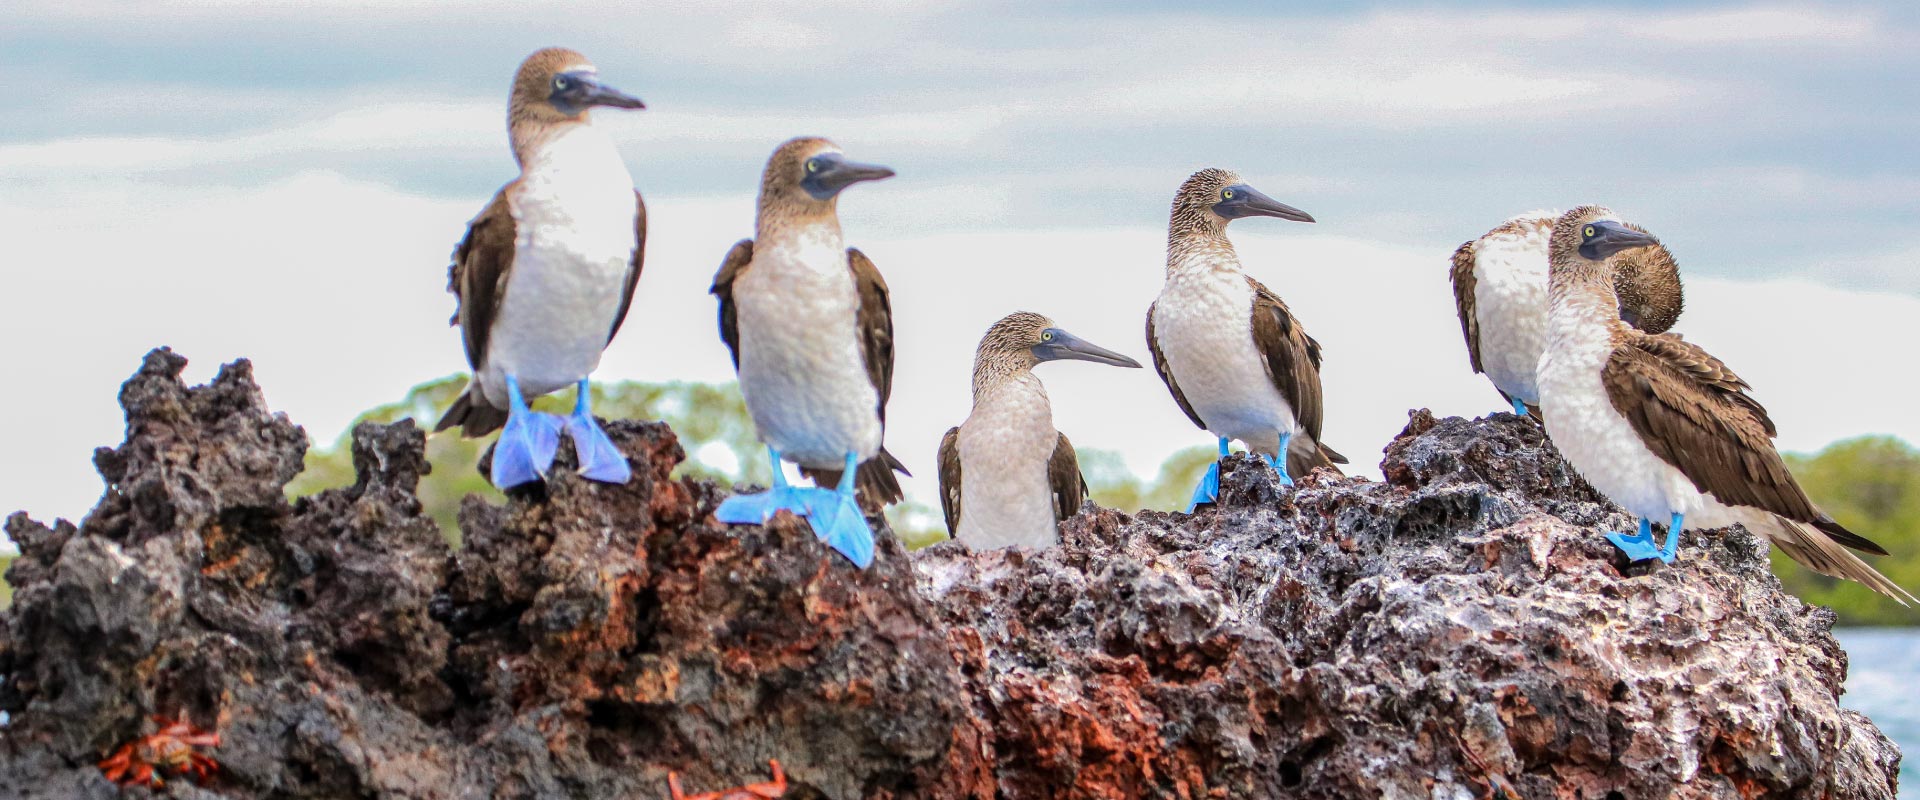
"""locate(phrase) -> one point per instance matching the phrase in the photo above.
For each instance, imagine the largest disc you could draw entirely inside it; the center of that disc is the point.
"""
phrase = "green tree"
(1871, 485)
(6, 592)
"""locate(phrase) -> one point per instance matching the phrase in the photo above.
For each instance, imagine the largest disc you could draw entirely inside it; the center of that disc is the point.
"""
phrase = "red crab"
(143, 760)
(1498, 788)
(752, 791)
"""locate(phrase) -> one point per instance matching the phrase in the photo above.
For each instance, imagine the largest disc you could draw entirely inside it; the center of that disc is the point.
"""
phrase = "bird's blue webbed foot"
(1519, 407)
(1639, 546)
(1208, 490)
(837, 519)
(600, 460)
(1279, 462)
(527, 442)
(1671, 550)
(756, 509)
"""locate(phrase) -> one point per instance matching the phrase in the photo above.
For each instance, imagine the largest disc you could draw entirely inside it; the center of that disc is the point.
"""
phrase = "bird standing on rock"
(1663, 428)
(1500, 292)
(1229, 350)
(810, 325)
(546, 273)
(1022, 476)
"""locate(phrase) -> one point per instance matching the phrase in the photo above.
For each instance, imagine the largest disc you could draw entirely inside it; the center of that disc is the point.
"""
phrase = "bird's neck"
(998, 382)
(1581, 300)
(813, 242)
(539, 145)
(1200, 248)
(779, 225)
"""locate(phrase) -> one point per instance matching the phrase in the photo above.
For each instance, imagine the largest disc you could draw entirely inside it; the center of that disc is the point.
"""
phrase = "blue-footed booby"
(1022, 476)
(546, 273)
(1500, 292)
(1663, 428)
(1229, 350)
(811, 329)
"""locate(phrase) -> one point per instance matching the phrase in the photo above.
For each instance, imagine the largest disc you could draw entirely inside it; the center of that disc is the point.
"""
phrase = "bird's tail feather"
(1305, 455)
(474, 417)
(1833, 531)
(1818, 551)
(875, 483)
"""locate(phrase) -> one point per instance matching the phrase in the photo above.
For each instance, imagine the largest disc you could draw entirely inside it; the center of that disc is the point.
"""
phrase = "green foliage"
(1872, 486)
(6, 592)
(1114, 486)
(917, 524)
(711, 420)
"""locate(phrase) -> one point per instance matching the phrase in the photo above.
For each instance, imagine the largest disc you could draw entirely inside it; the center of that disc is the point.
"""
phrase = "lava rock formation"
(1456, 631)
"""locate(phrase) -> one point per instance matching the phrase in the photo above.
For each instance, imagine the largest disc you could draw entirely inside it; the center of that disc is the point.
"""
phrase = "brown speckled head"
(1193, 204)
(553, 89)
(803, 179)
(786, 168)
(1564, 245)
(1023, 340)
(1011, 340)
(1648, 283)
(1645, 280)
(1206, 202)
(533, 85)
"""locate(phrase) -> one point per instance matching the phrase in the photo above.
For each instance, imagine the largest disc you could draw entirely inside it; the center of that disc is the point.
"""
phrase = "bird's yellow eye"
(1227, 195)
(1047, 336)
(813, 165)
(1588, 232)
(560, 83)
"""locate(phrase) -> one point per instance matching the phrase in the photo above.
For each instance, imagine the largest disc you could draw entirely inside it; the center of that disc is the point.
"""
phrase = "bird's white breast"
(1510, 306)
(802, 370)
(1006, 444)
(574, 239)
(1203, 321)
(1590, 433)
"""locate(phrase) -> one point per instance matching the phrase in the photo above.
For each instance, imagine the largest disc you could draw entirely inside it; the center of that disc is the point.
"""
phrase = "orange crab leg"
(771, 789)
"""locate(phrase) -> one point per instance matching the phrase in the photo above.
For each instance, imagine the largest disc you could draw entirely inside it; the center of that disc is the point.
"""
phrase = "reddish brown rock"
(1459, 624)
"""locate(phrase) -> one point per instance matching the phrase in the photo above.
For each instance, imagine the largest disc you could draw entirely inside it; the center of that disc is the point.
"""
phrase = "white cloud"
(1757, 25)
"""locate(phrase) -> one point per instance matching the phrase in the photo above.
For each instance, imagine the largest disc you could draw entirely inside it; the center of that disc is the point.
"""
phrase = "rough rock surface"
(1457, 627)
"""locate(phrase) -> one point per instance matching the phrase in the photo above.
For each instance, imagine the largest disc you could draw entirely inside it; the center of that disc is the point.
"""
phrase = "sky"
(284, 182)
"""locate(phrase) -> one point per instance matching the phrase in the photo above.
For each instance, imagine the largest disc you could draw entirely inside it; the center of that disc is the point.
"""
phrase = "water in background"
(1883, 667)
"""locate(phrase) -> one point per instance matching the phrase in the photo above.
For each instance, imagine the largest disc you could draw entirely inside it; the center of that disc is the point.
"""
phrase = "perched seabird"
(1228, 349)
(1500, 292)
(1663, 428)
(1022, 476)
(811, 329)
(546, 273)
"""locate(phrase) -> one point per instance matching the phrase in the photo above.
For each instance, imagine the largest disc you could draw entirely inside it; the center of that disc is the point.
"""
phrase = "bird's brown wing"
(1293, 357)
(633, 266)
(1694, 413)
(1063, 476)
(950, 479)
(478, 275)
(875, 321)
(1463, 301)
(731, 268)
(1166, 372)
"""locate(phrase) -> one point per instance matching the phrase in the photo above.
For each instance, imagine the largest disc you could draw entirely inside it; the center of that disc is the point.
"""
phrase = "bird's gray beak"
(836, 173)
(1059, 345)
(1250, 202)
(1612, 237)
(585, 91)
